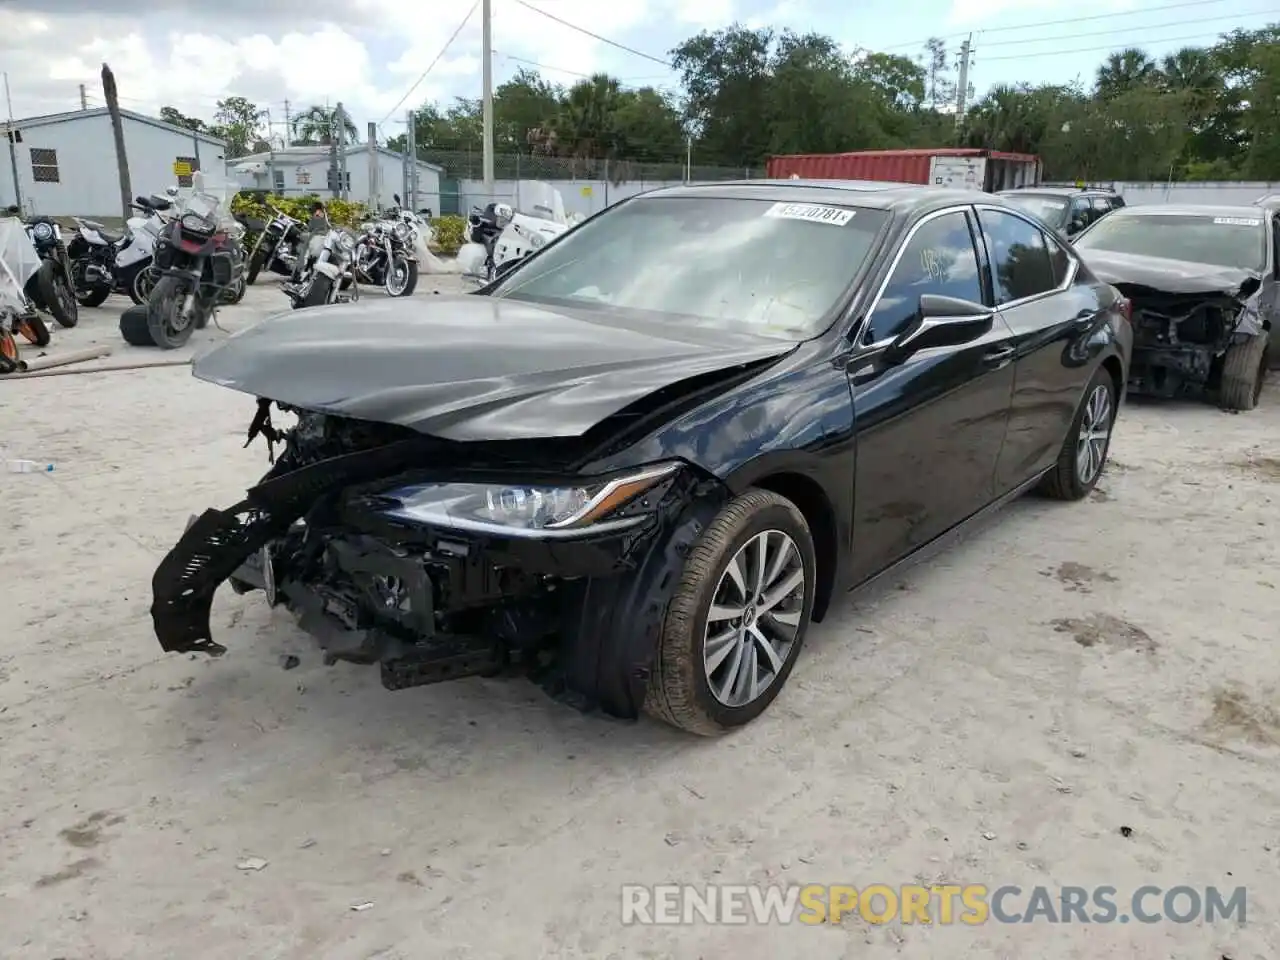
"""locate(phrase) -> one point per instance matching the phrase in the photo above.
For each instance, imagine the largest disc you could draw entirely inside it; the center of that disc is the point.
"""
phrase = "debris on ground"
(251, 863)
(362, 906)
(289, 661)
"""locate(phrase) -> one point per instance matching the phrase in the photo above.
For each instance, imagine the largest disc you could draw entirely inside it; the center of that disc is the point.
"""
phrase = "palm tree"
(1125, 71)
(584, 127)
(319, 125)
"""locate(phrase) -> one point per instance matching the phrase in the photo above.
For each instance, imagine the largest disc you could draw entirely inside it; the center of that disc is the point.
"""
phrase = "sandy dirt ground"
(996, 716)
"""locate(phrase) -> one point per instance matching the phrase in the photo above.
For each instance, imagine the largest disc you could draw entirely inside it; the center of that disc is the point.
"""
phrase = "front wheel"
(402, 277)
(10, 357)
(255, 265)
(1244, 369)
(170, 326)
(57, 294)
(143, 282)
(1084, 452)
(34, 330)
(737, 620)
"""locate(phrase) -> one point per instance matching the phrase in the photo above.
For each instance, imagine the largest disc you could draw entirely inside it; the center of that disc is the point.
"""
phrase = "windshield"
(755, 266)
(1052, 210)
(1238, 242)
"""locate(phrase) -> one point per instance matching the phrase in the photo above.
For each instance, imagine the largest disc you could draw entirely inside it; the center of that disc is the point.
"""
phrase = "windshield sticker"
(813, 212)
(1237, 222)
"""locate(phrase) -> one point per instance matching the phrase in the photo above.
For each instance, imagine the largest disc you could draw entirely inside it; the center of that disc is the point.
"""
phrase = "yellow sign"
(1080, 184)
(586, 191)
(182, 169)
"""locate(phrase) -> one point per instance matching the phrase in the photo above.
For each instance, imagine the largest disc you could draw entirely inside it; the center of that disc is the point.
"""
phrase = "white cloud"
(970, 13)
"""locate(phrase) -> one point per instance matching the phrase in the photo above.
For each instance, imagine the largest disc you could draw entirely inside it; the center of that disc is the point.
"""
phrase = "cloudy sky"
(370, 53)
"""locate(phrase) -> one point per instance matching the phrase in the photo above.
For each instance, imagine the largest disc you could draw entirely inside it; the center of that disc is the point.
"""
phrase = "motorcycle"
(104, 262)
(499, 235)
(327, 271)
(199, 264)
(483, 229)
(19, 266)
(276, 248)
(386, 254)
(51, 289)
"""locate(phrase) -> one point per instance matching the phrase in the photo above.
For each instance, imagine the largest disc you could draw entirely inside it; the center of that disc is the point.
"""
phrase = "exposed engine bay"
(318, 536)
(1180, 339)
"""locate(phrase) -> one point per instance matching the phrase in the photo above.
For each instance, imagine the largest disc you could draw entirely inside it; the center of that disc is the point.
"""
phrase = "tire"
(163, 310)
(94, 297)
(680, 689)
(1070, 479)
(134, 327)
(255, 266)
(411, 280)
(140, 286)
(59, 299)
(1244, 368)
(318, 295)
(34, 330)
(242, 285)
(9, 354)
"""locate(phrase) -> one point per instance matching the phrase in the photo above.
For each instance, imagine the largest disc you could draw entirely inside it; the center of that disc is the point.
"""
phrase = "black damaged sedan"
(639, 464)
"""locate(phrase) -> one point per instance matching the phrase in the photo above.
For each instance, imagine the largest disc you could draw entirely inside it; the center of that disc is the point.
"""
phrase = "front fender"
(330, 270)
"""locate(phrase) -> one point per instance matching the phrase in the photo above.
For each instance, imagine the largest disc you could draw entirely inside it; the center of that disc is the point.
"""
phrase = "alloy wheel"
(1095, 432)
(754, 618)
(397, 277)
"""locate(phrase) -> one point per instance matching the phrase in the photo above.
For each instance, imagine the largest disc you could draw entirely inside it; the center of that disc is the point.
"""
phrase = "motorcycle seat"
(111, 236)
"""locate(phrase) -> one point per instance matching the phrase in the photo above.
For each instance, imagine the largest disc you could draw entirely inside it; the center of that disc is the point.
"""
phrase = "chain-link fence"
(469, 165)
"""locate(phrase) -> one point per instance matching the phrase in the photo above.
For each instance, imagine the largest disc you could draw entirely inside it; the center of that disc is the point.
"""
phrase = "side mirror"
(396, 198)
(941, 322)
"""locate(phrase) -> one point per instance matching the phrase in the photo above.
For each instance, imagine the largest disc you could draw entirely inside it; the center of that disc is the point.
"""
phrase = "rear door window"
(1021, 265)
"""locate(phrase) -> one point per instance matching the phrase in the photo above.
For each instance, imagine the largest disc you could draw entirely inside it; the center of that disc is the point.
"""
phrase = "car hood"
(1169, 276)
(471, 367)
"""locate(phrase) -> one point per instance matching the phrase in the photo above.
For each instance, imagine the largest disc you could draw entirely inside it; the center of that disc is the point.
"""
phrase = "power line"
(595, 36)
(1144, 28)
(623, 81)
(1196, 38)
(431, 66)
(1054, 23)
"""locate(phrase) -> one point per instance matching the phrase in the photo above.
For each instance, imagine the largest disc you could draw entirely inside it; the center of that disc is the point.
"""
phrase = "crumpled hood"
(1170, 276)
(470, 367)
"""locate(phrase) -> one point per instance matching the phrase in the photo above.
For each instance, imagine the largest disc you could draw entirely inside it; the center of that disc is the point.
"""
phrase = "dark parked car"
(639, 464)
(1067, 209)
(1205, 287)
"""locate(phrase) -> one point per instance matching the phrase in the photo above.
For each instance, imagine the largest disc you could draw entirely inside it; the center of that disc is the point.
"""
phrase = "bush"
(451, 233)
(342, 213)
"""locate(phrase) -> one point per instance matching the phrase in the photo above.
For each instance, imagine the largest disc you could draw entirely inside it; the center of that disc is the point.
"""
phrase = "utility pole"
(333, 154)
(411, 151)
(84, 98)
(13, 150)
(271, 154)
(340, 121)
(288, 132)
(404, 157)
(375, 194)
(486, 54)
(962, 88)
(117, 128)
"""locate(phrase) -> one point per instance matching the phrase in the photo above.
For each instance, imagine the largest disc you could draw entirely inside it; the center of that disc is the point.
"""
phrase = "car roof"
(875, 194)
(1057, 192)
(1190, 210)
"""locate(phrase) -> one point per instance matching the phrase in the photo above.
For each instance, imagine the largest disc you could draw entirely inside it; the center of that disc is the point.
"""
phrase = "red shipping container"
(1000, 171)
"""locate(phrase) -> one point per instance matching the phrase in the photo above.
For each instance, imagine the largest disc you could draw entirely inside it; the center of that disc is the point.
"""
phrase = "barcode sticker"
(813, 212)
(1237, 222)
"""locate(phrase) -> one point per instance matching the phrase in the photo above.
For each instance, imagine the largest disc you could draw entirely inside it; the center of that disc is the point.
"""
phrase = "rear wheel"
(93, 297)
(143, 282)
(1084, 452)
(1244, 368)
(58, 297)
(34, 330)
(170, 327)
(8, 350)
(736, 622)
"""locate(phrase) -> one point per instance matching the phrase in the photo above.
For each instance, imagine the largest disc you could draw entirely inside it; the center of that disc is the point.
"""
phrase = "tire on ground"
(1063, 481)
(1243, 370)
(678, 691)
(134, 327)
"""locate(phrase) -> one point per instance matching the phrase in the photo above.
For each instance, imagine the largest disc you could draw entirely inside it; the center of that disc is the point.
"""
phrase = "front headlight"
(530, 511)
(537, 241)
(403, 232)
(196, 223)
(346, 242)
(42, 231)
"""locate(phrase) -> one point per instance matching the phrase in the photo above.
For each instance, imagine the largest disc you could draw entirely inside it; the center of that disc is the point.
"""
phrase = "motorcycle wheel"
(168, 328)
(9, 361)
(141, 285)
(93, 297)
(58, 297)
(238, 290)
(34, 330)
(402, 277)
(318, 295)
(255, 266)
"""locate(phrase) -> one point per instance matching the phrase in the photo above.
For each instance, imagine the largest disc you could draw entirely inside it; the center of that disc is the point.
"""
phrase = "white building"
(67, 161)
(301, 170)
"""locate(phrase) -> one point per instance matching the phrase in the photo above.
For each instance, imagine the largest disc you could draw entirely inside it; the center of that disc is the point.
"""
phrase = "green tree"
(241, 123)
(179, 119)
(318, 126)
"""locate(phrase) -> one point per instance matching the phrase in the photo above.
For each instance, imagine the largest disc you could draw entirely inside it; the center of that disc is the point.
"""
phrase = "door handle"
(999, 356)
(1084, 318)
